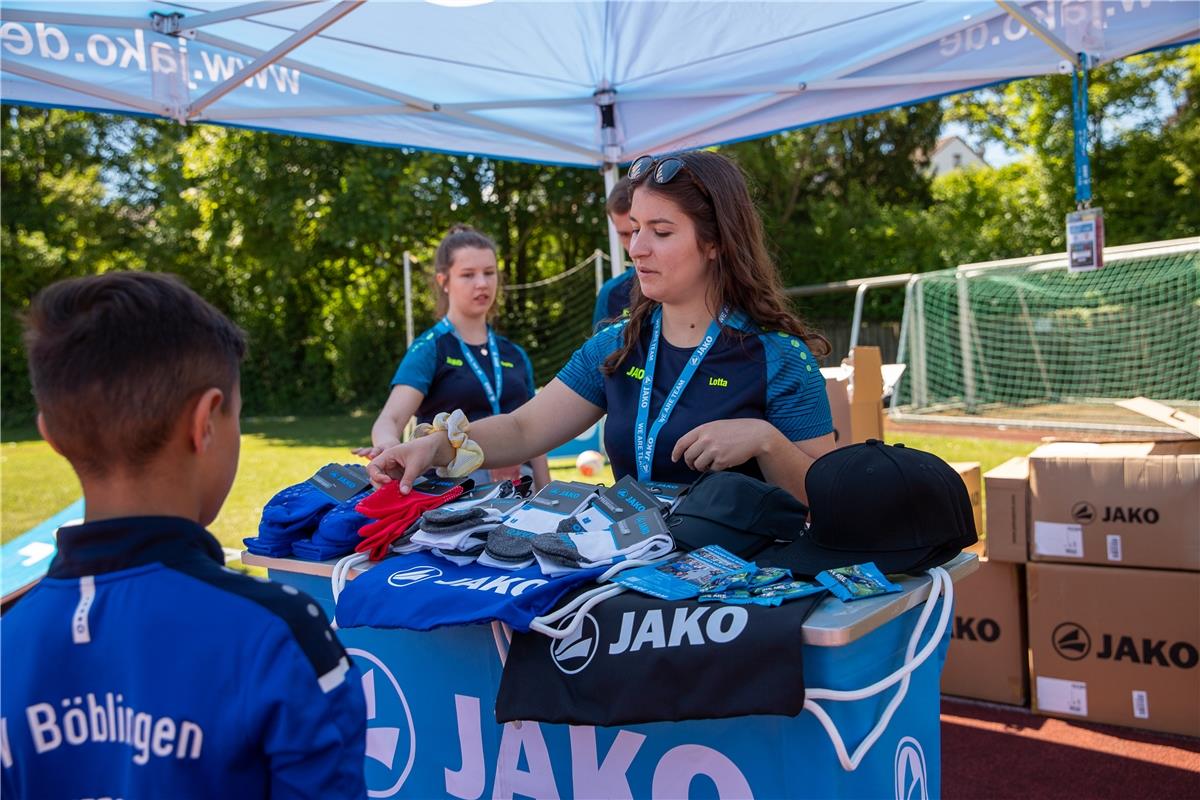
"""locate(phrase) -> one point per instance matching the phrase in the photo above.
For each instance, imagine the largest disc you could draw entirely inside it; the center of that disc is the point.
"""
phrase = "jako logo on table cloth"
(911, 778)
(387, 768)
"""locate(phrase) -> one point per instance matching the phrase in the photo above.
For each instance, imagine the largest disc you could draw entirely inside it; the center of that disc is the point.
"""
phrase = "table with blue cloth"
(432, 729)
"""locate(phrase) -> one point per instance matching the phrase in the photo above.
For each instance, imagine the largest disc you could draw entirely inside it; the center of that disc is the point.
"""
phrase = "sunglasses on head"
(662, 171)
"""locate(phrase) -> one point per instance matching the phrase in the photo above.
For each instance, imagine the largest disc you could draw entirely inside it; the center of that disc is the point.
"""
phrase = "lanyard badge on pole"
(1085, 225)
(493, 395)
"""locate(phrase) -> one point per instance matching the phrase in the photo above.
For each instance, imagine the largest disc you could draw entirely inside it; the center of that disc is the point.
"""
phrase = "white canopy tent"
(574, 83)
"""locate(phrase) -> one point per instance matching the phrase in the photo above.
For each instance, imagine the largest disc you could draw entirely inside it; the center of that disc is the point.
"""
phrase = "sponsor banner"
(432, 730)
(637, 659)
(27, 557)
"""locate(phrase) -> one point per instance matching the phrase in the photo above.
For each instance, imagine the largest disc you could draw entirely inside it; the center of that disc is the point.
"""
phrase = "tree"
(60, 220)
(1144, 127)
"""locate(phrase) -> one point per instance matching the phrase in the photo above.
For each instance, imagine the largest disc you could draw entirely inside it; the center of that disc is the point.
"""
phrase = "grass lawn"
(35, 483)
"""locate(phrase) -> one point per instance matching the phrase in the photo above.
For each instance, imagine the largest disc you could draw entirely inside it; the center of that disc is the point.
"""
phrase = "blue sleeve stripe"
(588, 386)
(800, 433)
(796, 401)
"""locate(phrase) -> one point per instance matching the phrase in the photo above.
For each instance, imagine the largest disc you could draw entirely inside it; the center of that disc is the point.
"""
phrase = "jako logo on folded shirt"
(407, 577)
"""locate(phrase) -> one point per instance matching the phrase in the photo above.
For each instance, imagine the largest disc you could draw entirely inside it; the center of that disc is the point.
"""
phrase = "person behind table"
(454, 364)
(612, 301)
(141, 666)
(709, 325)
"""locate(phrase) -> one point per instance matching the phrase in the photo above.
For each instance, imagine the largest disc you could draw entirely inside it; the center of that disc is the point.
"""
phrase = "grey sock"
(557, 547)
(510, 544)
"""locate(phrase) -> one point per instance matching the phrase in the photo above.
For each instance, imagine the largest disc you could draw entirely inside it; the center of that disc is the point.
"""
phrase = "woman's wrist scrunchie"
(468, 456)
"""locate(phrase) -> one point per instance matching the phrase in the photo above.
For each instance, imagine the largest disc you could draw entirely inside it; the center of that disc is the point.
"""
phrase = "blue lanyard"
(1079, 115)
(643, 445)
(493, 395)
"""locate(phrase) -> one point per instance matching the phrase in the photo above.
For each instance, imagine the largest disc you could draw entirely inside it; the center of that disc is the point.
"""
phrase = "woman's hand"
(373, 450)
(724, 443)
(406, 462)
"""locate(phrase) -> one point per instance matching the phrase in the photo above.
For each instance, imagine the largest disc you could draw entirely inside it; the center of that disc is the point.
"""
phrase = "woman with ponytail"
(711, 370)
(461, 362)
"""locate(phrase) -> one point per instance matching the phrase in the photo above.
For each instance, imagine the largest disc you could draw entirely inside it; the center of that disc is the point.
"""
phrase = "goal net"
(1026, 341)
(551, 318)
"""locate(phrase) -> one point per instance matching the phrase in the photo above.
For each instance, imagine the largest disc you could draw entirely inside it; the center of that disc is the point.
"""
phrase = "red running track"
(998, 752)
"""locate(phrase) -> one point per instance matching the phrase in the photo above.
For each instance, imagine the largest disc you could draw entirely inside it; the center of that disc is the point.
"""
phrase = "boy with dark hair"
(612, 301)
(141, 666)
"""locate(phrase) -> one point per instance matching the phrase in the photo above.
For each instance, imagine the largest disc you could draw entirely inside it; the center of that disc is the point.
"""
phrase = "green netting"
(1043, 342)
(552, 317)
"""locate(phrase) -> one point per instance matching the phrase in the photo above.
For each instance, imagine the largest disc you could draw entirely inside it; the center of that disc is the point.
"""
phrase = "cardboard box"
(855, 391)
(1006, 511)
(970, 473)
(1121, 504)
(988, 657)
(1120, 646)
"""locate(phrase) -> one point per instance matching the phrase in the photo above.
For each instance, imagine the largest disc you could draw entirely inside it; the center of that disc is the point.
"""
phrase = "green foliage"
(301, 240)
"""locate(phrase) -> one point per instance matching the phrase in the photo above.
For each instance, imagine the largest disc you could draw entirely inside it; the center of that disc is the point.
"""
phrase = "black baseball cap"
(902, 508)
(741, 514)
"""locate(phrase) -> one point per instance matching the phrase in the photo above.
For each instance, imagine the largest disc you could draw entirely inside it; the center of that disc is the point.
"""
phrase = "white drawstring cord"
(588, 600)
(940, 582)
(502, 635)
(341, 571)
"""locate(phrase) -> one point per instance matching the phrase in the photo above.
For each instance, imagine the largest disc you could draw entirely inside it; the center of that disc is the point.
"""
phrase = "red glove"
(394, 513)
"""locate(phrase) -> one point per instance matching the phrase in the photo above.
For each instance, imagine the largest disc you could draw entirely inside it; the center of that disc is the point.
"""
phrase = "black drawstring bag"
(637, 659)
(739, 513)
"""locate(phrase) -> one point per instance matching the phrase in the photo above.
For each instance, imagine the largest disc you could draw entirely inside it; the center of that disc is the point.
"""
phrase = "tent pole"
(1040, 31)
(274, 54)
(616, 255)
(408, 318)
(237, 12)
(83, 87)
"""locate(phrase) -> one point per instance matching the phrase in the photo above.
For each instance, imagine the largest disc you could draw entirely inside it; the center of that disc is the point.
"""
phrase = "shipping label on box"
(1112, 645)
(1127, 504)
(1006, 511)
(987, 658)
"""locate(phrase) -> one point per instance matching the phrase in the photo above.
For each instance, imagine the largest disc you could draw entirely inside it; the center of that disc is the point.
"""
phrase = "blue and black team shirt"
(434, 365)
(147, 668)
(612, 301)
(748, 374)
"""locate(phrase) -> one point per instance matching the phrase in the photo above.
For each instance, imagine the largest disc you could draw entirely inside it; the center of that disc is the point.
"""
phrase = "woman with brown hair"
(461, 362)
(710, 371)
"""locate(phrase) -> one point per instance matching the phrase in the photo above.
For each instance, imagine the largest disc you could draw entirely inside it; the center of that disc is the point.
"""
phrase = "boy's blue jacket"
(142, 667)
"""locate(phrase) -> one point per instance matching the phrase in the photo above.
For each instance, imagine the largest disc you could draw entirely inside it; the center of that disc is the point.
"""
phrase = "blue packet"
(684, 578)
(746, 579)
(740, 597)
(857, 582)
(789, 590)
(773, 595)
